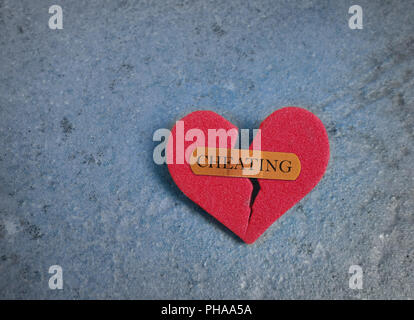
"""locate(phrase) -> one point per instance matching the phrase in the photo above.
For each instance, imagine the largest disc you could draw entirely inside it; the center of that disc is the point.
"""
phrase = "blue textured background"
(79, 106)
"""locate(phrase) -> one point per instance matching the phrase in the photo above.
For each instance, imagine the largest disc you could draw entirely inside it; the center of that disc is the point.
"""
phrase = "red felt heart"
(291, 130)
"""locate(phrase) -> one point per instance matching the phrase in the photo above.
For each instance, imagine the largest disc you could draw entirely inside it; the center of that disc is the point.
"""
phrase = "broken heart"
(228, 199)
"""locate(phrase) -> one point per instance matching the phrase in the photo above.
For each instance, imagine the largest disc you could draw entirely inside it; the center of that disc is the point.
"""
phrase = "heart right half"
(291, 130)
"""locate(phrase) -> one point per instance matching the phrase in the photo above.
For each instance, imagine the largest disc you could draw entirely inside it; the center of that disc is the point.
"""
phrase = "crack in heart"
(255, 192)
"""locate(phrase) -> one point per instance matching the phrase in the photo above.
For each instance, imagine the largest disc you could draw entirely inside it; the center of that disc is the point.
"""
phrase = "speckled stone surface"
(79, 106)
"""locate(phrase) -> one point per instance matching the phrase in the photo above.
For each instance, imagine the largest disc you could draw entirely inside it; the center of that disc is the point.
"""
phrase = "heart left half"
(227, 199)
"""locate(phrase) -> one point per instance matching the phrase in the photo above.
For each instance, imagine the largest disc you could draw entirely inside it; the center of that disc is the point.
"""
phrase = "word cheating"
(245, 163)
